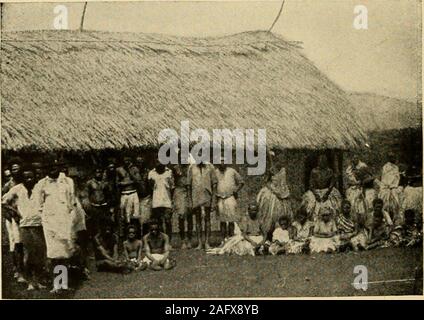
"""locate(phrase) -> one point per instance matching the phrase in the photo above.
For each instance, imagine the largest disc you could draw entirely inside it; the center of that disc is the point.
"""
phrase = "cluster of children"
(330, 232)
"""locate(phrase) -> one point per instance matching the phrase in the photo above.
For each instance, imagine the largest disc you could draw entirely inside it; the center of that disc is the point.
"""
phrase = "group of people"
(375, 212)
(123, 214)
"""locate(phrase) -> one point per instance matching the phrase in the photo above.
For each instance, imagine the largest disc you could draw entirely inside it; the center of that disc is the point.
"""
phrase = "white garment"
(163, 184)
(280, 235)
(157, 256)
(27, 207)
(57, 201)
(13, 234)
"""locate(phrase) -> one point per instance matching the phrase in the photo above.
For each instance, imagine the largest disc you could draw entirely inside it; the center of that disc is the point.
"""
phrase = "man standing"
(144, 194)
(99, 194)
(9, 211)
(30, 228)
(128, 178)
(229, 183)
(389, 189)
(162, 183)
(201, 189)
(57, 200)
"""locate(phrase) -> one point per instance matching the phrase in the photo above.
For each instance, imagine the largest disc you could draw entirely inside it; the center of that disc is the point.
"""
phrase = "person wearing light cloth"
(360, 191)
(325, 237)
(389, 189)
(201, 190)
(274, 202)
(57, 200)
(322, 191)
(128, 177)
(248, 238)
(157, 249)
(281, 237)
(180, 205)
(412, 196)
(229, 183)
(302, 230)
(9, 211)
(31, 231)
(162, 182)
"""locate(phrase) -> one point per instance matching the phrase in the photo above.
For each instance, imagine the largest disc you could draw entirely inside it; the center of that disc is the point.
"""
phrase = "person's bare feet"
(207, 246)
(199, 246)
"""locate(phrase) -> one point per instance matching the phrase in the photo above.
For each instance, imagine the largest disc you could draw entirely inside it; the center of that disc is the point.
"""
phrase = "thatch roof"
(70, 90)
(381, 113)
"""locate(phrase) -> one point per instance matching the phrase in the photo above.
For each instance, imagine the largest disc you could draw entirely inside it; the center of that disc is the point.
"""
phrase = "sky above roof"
(384, 59)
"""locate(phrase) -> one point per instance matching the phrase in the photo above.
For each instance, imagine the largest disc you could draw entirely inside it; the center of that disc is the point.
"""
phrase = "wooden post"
(83, 16)
(1, 16)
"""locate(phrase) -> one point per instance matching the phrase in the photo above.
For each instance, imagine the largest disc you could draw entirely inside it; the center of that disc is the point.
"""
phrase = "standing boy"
(162, 183)
(229, 183)
(201, 189)
(99, 195)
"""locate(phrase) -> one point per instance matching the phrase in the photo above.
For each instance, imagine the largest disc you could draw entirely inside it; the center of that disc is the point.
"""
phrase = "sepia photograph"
(211, 150)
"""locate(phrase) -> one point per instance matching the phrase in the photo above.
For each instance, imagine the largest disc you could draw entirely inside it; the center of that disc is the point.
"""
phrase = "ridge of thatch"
(382, 113)
(70, 90)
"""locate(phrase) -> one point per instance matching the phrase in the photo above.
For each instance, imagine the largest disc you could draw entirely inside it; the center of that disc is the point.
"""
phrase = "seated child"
(412, 234)
(381, 228)
(302, 229)
(360, 240)
(133, 249)
(157, 249)
(345, 226)
(106, 251)
(248, 239)
(280, 236)
(325, 238)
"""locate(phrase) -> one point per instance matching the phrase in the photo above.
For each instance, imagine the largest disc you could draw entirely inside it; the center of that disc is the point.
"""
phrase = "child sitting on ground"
(248, 238)
(133, 249)
(412, 234)
(280, 237)
(381, 228)
(302, 229)
(360, 240)
(345, 226)
(157, 249)
(106, 251)
(325, 238)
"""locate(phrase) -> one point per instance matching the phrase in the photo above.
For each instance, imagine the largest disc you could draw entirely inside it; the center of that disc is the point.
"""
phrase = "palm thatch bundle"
(70, 90)
(381, 113)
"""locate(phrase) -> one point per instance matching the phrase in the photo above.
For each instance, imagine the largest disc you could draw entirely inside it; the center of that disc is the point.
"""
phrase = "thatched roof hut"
(381, 113)
(393, 126)
(70, 90)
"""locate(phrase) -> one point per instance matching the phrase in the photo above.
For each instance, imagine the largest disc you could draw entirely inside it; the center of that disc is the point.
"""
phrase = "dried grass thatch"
(69, 90)
(380, 113)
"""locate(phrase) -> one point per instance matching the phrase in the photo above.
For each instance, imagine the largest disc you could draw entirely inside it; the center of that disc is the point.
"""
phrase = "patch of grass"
(201, 275)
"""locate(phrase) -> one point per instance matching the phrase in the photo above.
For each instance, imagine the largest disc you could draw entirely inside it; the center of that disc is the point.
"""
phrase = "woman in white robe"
(390, 191)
